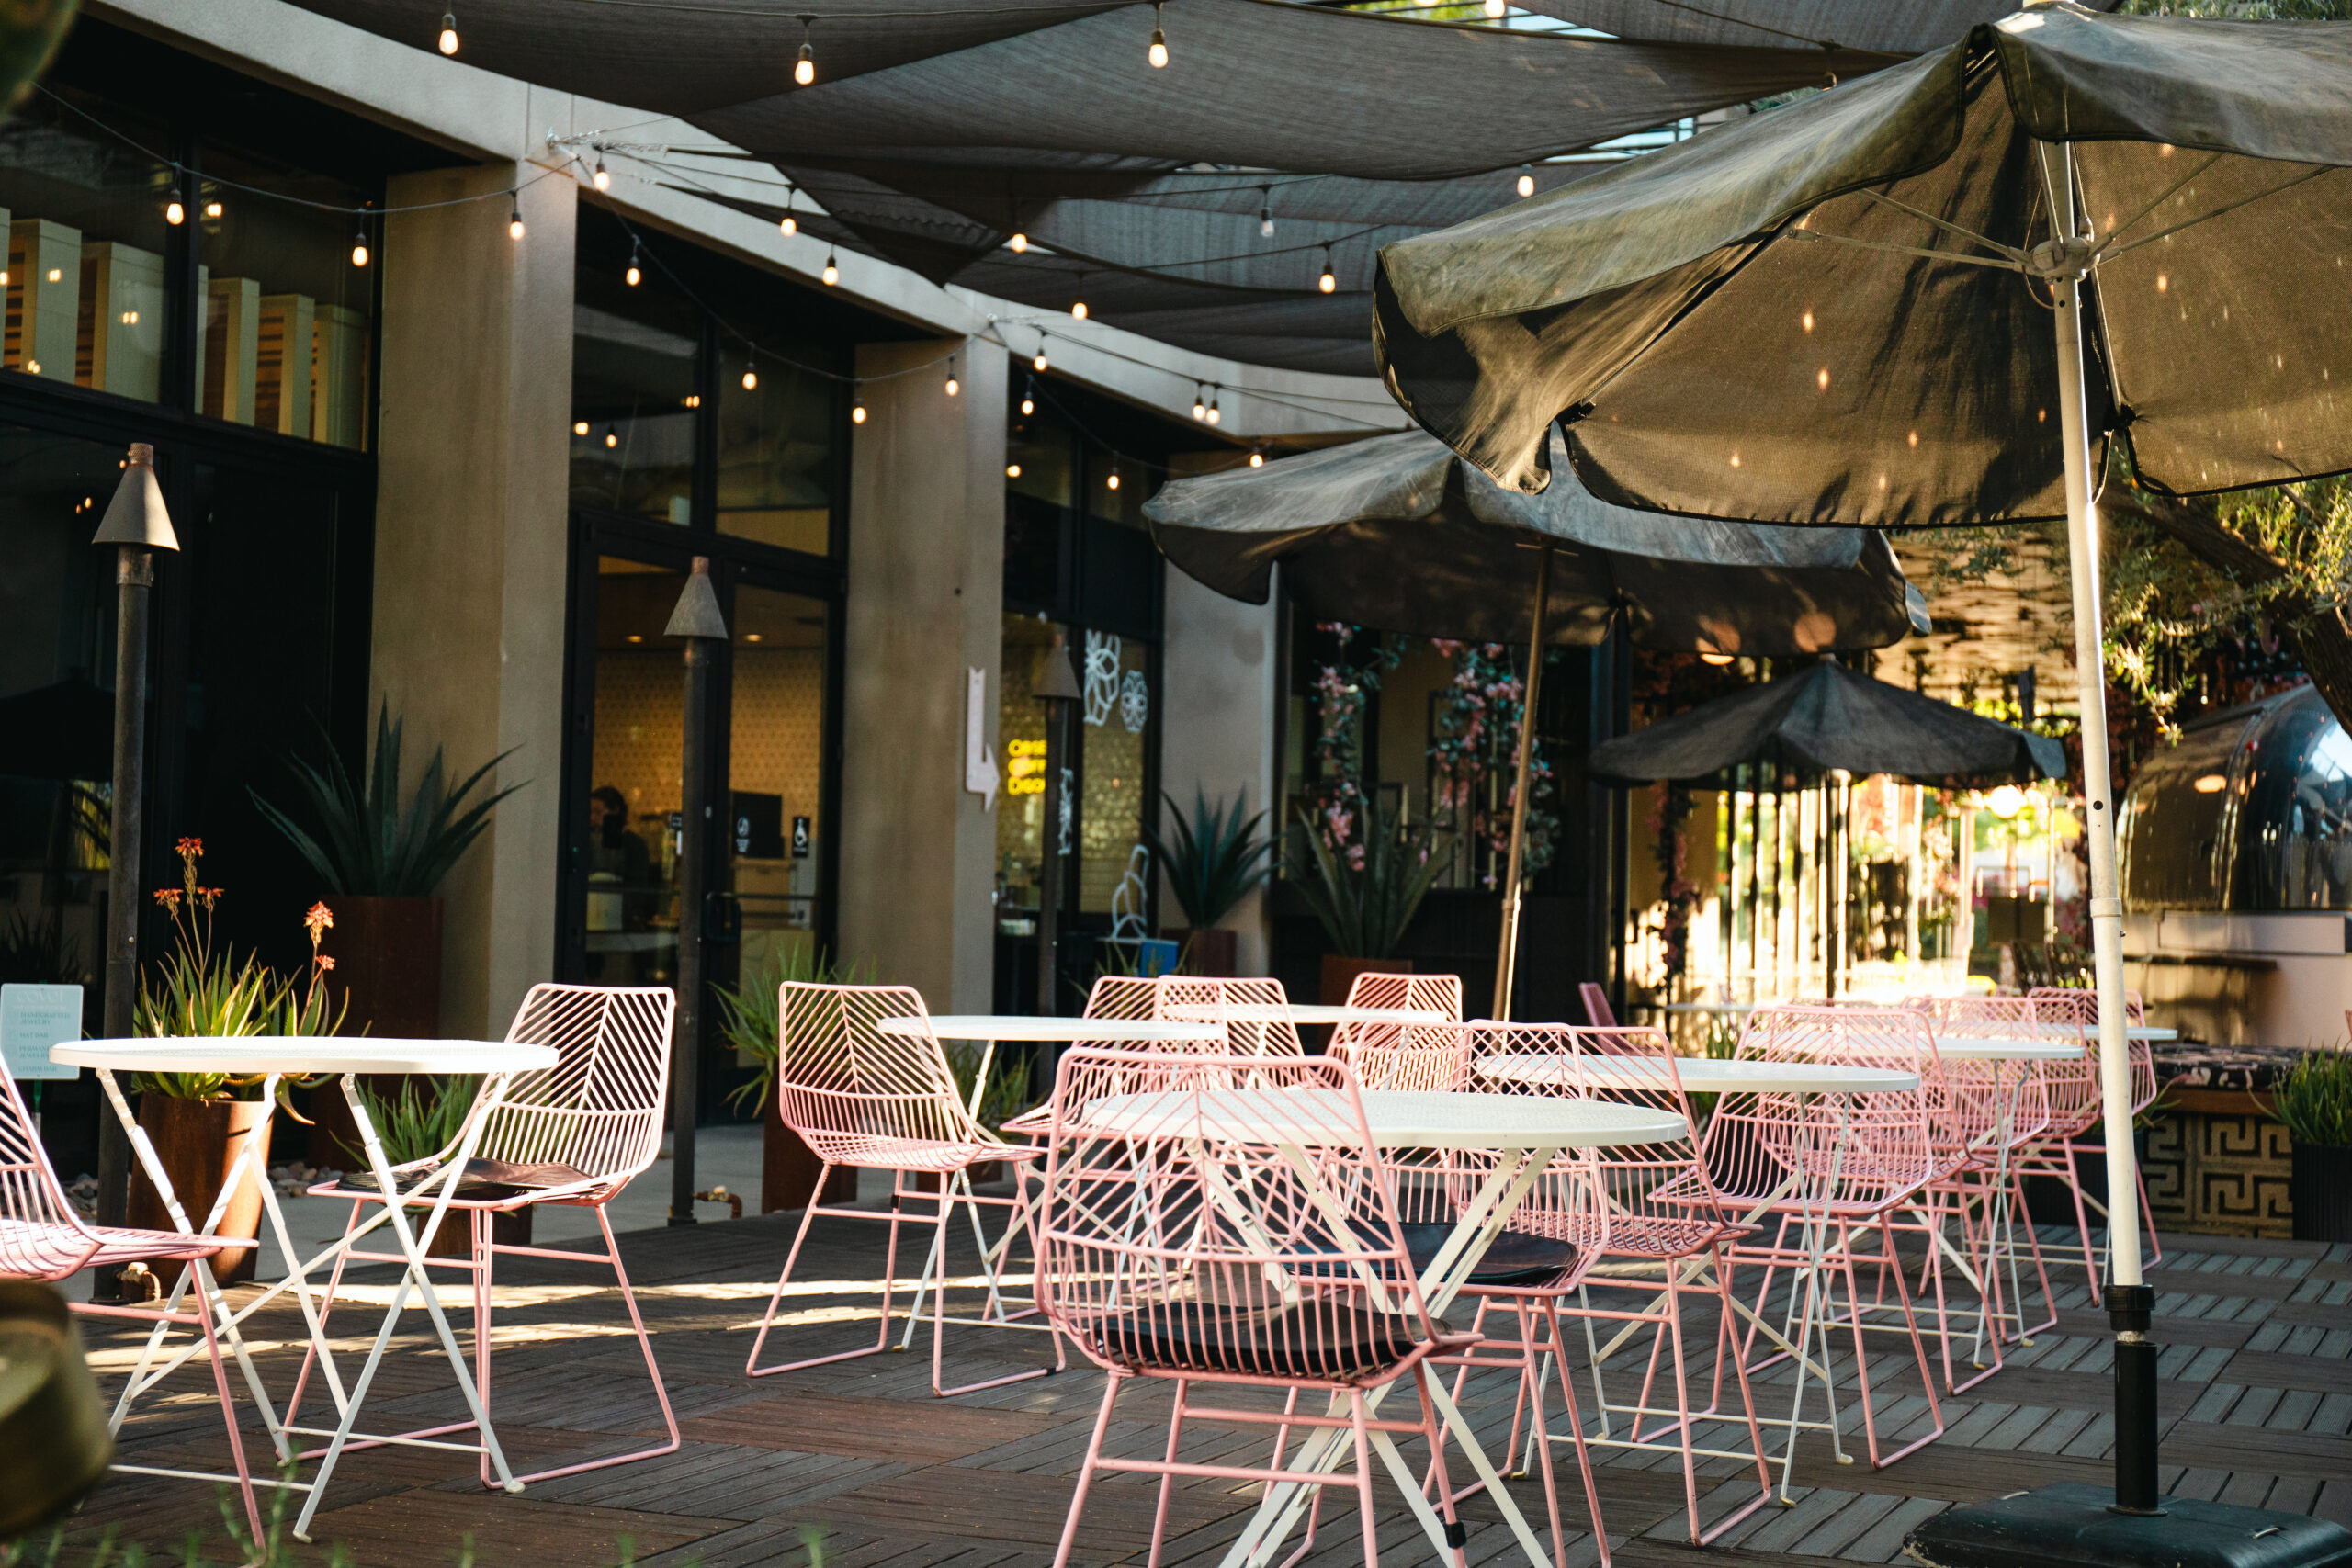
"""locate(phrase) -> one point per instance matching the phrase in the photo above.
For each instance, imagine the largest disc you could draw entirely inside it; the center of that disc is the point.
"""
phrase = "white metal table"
(1524, 1133)
(1331, 1012)
(276, 1058)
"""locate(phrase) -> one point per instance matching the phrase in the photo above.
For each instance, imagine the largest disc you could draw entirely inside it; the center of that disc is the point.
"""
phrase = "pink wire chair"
(43, 1238)
(1179, 1240)
(578, 1132)
(2075, 1112)
(1663, 1231)
(1835, 1169)
(1597, 1011)
(875, 1100)
(1255, 1012)
(1438, 994)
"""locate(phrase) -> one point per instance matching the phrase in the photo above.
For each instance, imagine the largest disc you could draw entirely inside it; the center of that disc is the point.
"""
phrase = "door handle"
(722, 918)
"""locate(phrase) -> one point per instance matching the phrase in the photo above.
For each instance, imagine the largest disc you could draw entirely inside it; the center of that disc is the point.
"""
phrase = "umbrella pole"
(1504, 959)
(2130, 1300)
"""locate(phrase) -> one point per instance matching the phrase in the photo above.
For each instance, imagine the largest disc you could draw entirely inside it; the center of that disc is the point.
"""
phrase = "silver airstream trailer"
(2237, 875)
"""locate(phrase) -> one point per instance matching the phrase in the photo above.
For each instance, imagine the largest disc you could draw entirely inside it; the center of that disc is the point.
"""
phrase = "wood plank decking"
(855, 1465)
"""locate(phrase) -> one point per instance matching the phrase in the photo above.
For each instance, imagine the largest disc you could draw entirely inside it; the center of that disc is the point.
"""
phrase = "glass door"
(625, 841)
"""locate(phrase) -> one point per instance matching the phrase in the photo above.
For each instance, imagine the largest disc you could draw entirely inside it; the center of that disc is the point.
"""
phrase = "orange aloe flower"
(319, 918)
(169, 898)
(191, 847)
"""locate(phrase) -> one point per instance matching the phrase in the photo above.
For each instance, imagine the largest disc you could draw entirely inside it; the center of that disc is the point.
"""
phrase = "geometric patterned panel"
(2220, 1174)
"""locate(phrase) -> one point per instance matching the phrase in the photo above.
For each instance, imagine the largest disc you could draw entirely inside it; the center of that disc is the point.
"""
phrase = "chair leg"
(1086, 1475)
(1576, 1434)
(1748, 1403)
(326, 1306)
(1167, 1477)
(1363, 1478)
(207, 1304)
(889, 1273)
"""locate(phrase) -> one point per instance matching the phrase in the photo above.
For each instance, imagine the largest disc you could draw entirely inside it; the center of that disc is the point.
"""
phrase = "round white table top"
(1395, 1118)
(1983, 1048)
(303, 1053)
(1742, 1008)
(1328, 1012)
(1702, 1075)
(1054, 1030)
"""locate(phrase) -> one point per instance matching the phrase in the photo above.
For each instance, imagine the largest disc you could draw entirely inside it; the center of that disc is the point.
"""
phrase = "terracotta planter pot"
(455, 1236)
(2320, 1188)
(387, 955)
(788, 1169)
(1208, 953)
(195, 1141)
(1340, 973)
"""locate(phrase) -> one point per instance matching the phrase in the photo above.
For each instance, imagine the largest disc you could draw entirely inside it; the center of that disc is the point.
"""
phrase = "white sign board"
(33, 1019)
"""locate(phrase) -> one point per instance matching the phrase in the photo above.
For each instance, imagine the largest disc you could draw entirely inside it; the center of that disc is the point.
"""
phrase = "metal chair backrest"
(1122, 997)
(599, 1109)
(1597, 1011)
(1440, 994)
(2081, 1008)
(846, 1087)
(1255, 1012)
(1235, 1221)
(1432, 1058)
(1864, 1150)
(40, 1235)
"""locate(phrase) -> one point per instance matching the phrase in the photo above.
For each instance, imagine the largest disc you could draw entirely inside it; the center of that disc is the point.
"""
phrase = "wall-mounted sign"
(801, 839)
(758, 825)
(979, 762)
(33, 1019)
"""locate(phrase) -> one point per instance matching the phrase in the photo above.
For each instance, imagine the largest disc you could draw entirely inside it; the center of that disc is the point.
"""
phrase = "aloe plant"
(2315, 1099)
(1216, 859)
(1367, 893)
(750, 1015)
(419, 1120)
(373, 844)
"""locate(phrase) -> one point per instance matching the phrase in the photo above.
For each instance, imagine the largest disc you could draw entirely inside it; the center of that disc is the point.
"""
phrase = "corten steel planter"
(195, 1141)
(388, 963)
(2320, 1188)
(53, 1440)
(1210, 952)
(789, 1169)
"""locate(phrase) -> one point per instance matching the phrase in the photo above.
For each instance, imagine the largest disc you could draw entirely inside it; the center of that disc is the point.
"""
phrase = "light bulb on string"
(750, 375)
(1257, 459)
(1329, 282)
(1527, 179)
(212, 209)
(1029, 397)
(635, 274)
(857, 408)
(804, 69)
(1038, 363)
(1078, 309)
(360, 248)
(1018, 242)
(832, 270)
(603, 180)
(448, 32)
(174, 213)
(1200, 402)
(612, 437)
(954, 386)
(1216, 414)
(790, 221)
(1157, 54)
(579, 427)
(1112, 483)
(1265, 212)
(1495, 10)
(513, 216)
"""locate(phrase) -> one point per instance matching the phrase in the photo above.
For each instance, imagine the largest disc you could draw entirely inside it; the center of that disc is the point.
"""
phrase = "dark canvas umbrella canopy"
(1945, 294)
(1399, 532)
(1830, 718)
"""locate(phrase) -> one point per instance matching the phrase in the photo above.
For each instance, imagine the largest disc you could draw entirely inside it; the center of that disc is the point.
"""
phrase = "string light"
(1328, 282)
(1265, 212)
(1158, 54)
(750, 376)
(515, 216)
(1029, 397)
(1216, 414)
(612, 437)
(579, 427)
(1038, 363)
(1018, 244)
(1495, 10)
(832, 270)
(1257, 459)
(174, 213)
(1078, 309)
(1200, 401)
(213, 209)
(635, 274)
(954, 386)
(857, 408)
(360, 248)
(790, 222)
(1012, 470)
(448, 32)
(804, 70)
(1527, 179)
(1112, 483)
(603, 181)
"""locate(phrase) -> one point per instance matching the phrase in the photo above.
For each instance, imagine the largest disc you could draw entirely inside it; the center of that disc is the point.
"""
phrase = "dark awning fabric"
(1892, 26)
(1831, 718)
(1743, 326)
(936, 128)
(1395, 531)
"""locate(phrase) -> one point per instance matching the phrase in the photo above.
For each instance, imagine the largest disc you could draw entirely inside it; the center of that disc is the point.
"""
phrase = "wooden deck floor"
(855, 1465)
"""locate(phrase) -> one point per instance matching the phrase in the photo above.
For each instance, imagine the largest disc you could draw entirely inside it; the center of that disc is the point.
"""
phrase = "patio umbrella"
(1826, 719)
(1869, 307)
(1397, 532)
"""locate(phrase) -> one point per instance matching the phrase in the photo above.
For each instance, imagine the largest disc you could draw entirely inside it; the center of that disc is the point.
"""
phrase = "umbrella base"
(2073, 1526)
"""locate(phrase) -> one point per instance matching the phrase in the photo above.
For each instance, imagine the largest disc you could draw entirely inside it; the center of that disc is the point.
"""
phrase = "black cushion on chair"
(1313, 1340)
(1516, 1258)
(484, 1179)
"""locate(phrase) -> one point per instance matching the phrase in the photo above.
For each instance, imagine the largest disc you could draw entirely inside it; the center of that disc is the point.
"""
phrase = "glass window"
(631, 853)
(1113, 863)
(776, 451)
(82, 212)
(635, 371)
(1021, 748)
(779, 839)
(284, 338)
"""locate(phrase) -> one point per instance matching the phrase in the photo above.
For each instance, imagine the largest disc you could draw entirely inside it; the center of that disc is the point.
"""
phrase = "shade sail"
(1397, 533)
(1849, 279)
(1894, 27)
(1831, 718)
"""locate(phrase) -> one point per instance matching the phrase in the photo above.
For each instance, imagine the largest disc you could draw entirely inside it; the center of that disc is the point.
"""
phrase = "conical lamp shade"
(1056, 678)
(136, 516)
(697, 612)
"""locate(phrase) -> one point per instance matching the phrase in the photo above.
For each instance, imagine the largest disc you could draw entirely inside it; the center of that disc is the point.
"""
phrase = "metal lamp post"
(137, 524)
(697, 619)
(1056, 687)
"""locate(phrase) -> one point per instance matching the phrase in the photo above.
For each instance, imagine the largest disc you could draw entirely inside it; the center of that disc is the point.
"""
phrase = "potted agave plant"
(1214, 859)
(2315, 1101)
(382, 858)
(1366, 893)
(197, 1122)
(750, 1019)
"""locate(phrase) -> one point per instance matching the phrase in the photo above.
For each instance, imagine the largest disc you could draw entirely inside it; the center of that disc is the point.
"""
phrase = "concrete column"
(926, 594)
(470, 546)
(1221, 671)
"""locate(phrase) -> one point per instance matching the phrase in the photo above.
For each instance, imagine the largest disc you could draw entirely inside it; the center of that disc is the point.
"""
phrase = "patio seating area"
(856, 1465)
